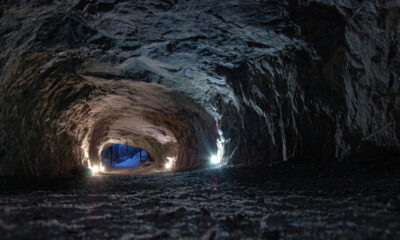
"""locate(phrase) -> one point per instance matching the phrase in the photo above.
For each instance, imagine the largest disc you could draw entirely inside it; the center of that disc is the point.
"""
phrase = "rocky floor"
(289, 201)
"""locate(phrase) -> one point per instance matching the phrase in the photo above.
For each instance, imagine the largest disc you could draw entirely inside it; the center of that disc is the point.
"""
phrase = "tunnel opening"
(177, 133)
(121, 156)
(93, 113)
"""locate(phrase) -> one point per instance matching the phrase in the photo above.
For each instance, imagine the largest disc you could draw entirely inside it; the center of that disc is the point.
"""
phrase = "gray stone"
(310, 80)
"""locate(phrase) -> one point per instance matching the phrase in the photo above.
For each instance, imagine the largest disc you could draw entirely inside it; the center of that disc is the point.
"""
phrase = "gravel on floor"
(288, 201)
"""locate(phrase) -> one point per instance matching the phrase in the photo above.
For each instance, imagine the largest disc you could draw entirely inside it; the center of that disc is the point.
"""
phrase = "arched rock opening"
(286, 80)
(73, 118)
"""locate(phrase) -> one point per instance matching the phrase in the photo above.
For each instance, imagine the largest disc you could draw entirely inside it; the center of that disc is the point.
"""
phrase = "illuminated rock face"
(72, 118)
(281, 80)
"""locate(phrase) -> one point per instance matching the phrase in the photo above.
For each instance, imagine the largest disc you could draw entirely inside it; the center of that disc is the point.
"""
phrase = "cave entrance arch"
(177, 132)
(120, 156)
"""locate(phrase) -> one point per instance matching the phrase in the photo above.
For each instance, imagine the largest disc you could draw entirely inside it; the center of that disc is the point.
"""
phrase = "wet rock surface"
(283, 202)
(314, 80)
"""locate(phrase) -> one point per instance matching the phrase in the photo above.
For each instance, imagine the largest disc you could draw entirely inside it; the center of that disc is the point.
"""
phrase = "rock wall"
(310, 80)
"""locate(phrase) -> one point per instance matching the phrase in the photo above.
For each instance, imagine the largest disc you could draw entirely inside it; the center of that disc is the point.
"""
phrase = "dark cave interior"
(186, 119)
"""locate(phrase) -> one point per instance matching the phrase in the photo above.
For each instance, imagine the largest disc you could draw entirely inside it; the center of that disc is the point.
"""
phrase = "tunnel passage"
(147, 116)
(72, 118)
(120, 156)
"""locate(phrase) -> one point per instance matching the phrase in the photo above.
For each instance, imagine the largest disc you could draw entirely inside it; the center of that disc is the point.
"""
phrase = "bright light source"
(215, 159)
(95, 168)
(170, 162)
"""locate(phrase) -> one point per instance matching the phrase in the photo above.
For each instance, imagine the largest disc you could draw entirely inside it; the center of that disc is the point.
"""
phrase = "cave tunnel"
(95, 113)
(173, 130)
(199, 119)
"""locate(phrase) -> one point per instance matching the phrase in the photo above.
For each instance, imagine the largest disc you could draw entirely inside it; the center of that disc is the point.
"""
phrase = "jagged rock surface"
(315, 80)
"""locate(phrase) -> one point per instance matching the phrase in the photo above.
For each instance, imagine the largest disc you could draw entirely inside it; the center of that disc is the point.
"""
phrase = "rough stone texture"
(314, 80)
(72, 117)
(290, 202)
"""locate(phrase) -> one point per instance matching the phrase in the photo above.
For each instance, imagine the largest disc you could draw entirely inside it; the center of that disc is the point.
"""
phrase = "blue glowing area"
(124, 156)
(130, 162)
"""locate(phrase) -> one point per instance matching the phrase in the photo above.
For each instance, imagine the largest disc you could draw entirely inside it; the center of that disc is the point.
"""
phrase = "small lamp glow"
(95, 168)
(169, 163)
(215, 159)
